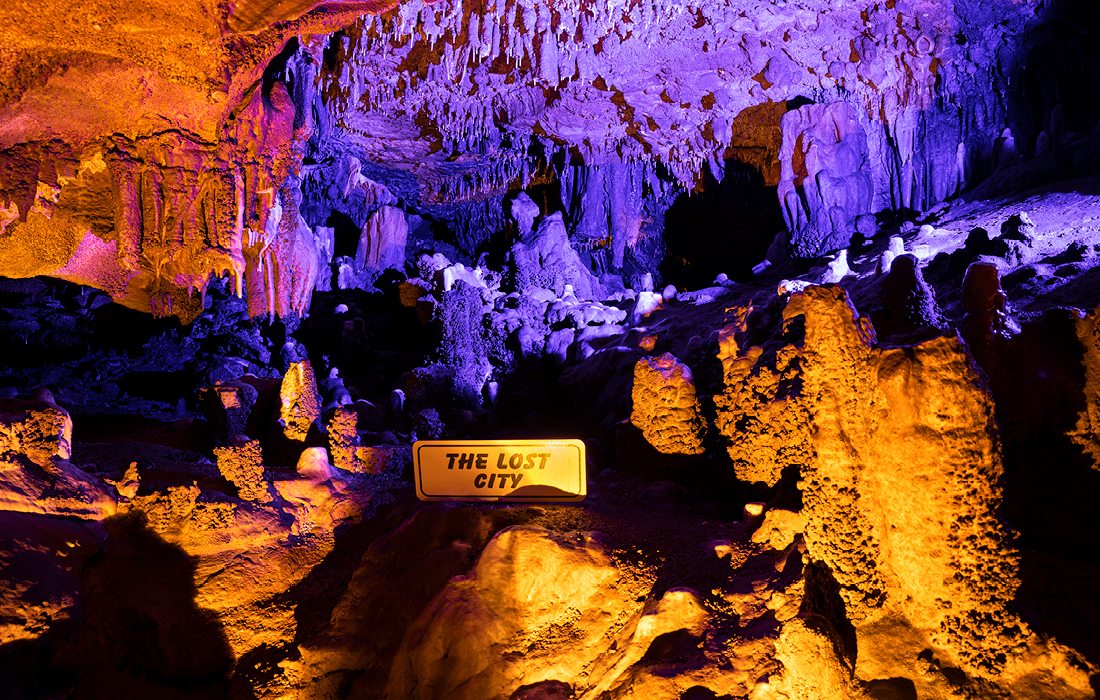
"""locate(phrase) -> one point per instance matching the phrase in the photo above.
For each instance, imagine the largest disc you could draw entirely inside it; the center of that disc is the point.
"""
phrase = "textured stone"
(382, 242)
(665, 407)
(901, 497)
(242, 465)
(35, 474)
(762, 412)
(299, 401)
(826, 182)
(546, 260)
(537, 607)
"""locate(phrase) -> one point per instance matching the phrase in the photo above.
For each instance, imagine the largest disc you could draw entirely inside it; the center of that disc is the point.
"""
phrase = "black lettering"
(482, 460)
(466, 461)
(451, 460)
(479, 481)
(516, 478)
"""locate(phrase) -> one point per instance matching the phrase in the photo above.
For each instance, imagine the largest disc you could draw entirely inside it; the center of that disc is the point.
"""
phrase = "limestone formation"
(299, 401)
(382, 242)
(228, 407)
(762, 412)
(537, 607)
(813, 663)
(242, 465)
(665, 407)
(35, 473)
(907, 305)
(499, 220)
(826, 184)
(985, 321)
(546, 260)
(885, 421)
(343, 439)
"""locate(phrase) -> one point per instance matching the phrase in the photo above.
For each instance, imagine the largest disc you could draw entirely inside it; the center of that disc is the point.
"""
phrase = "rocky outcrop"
(299, 401)
(537, 608)
(151, 220)
(900, 464)
(762, 412)
(242, 465)
(35, 473)
(547, 260)
(382, 242)
(901, 498)
(665, 407)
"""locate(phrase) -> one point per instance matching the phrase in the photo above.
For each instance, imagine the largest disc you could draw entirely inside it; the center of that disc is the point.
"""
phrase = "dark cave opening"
(345, 233)
(724, 228)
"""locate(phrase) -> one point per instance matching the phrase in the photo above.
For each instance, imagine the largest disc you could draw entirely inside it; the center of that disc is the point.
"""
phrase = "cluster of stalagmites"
(896, 565)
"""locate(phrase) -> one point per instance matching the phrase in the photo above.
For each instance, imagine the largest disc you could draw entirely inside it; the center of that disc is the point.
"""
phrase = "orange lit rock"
(779, 528)
(343, 438)
(761, 412)
(351, 456)
(537, 607)
(300, 404)
(901, 499)
(35, 474)
(317, 498)
(666, 409)
(242, 465)
(151, 219)
(813, 666)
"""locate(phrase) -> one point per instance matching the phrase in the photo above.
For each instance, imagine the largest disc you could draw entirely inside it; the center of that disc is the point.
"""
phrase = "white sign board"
(500, 470)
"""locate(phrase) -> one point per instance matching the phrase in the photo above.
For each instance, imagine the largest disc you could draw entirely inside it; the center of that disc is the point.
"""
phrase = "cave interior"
(815, 283)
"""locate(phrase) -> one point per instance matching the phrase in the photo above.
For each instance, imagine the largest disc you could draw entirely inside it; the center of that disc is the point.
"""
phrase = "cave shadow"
(724, 227)
(345, 234)
(372, 343)
(140, 632)
(1050, 487)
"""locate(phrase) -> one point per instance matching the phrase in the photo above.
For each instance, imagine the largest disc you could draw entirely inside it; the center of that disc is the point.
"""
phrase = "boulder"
(666, 408)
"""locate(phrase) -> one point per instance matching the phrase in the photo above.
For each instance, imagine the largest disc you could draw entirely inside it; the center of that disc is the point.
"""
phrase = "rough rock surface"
(541, 613)
(243, 466)
(826, 187)
(938, 555)
(246, 159)
(665, 407)
(299, 401)
(761, 412)
(35, 473)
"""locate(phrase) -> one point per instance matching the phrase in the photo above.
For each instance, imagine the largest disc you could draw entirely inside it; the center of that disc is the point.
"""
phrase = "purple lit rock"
(826, 183)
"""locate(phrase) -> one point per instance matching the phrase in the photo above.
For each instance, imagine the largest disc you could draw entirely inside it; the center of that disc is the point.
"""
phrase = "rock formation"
(666, 409)
(299, 402)
(533, 219)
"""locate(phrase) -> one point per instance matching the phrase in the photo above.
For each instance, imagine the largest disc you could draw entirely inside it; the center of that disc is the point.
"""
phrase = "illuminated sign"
(500, 470)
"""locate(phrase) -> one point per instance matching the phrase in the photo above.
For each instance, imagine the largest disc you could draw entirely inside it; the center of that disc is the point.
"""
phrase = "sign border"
(570, 442)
